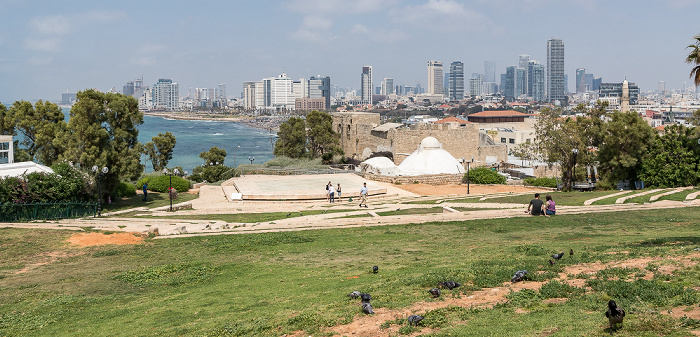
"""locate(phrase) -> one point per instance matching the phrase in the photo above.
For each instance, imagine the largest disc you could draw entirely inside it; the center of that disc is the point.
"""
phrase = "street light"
(234, 155)
(252, 159)
(170, 189)
(100, 174)
(575, 152)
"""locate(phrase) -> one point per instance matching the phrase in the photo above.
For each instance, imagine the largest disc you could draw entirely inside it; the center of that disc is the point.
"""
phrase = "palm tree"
(694, 58)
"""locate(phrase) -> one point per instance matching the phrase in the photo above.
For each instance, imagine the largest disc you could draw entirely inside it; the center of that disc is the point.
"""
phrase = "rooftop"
(500, 113)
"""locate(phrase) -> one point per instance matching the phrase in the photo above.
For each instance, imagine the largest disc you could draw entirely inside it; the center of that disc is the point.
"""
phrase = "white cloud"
(314, 29)
(442, 15)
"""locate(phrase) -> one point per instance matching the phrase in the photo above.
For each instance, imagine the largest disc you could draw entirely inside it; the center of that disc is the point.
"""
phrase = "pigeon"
(615, 314)
(375, 269)
(435, 292)
(354, 294)
(571, 253)
(366, 297)
(518, 276)
(325, 211)
(558, 256)
(552, 262)
(414, 319)
(367, 308)
(449, 284)
(289, 214)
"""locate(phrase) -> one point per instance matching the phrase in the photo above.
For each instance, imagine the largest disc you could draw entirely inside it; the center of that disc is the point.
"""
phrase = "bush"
(66, 184)
(161, 183)
(213, 173)
(125, 190)
(543, 182)
(483, 175)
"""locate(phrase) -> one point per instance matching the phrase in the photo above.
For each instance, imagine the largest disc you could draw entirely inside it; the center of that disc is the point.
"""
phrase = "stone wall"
(432, 179)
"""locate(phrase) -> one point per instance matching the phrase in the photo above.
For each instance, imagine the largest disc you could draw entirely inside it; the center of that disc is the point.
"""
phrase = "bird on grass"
(367, 308)
(366, 297)
(375, 269)
(558, 256)
(354, 294)
(289, 214)
(325, 211)
(519, 275)
(571, 253)
(449, 284)
(615, 314)
(552, 262)
(435, 292)
(414, 319)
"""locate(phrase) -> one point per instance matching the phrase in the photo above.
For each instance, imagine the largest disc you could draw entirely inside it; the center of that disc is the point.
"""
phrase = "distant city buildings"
(556, 82)
(613, 93)
(281, 93)
(435, 86)
(165, 95)
(456, 82)
(366, 85)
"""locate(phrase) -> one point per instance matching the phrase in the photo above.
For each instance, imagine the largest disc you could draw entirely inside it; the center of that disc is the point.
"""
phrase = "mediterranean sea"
(196, 136)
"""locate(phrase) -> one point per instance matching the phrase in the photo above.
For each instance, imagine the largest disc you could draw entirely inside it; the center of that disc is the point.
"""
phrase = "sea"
(195, 137)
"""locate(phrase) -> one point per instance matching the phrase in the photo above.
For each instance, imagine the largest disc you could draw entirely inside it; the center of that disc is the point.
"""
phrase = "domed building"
(429, 158)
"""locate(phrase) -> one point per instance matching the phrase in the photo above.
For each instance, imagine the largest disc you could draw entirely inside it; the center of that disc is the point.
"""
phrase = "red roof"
(452, 119)
(499, 113)
(660, 127)
(445, 106)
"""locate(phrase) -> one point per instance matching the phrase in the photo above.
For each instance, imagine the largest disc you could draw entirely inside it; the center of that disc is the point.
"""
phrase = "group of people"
(332, 190)
(538, 207)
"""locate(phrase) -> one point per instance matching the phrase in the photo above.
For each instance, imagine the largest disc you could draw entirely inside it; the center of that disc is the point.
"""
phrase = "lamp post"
(100, 176)
(252, 159)
(170, 189)
(575, 152)
(234, 155)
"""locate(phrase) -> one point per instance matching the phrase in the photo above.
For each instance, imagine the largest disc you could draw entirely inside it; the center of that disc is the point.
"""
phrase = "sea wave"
(218, 134)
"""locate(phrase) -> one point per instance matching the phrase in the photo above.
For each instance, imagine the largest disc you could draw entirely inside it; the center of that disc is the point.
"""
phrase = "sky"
(48, 47)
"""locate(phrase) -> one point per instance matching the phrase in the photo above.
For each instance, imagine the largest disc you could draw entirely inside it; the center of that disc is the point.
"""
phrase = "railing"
(46, 211)
(287, 172)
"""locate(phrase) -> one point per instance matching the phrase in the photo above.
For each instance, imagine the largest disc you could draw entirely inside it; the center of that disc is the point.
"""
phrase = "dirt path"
(461, 189)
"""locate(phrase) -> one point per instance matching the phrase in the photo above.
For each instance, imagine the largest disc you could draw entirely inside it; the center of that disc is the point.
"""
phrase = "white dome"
(430, 158)
(379, 165)
(430, 143)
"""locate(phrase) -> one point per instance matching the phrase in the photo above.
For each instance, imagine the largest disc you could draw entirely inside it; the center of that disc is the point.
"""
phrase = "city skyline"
(50, 47)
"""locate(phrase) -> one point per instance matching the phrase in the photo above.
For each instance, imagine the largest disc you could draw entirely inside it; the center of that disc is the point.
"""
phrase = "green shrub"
(125, 190)
(543, 182)
(67, 184)
(483, 175)
(161, 183)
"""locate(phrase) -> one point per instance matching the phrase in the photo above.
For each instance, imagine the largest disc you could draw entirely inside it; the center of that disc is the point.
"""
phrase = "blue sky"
(47, 47)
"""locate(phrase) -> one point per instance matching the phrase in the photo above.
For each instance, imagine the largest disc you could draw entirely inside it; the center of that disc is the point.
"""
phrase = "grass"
(644, 198)
(409, 211)
(680, 196)
(154, 200)
(561, 198)
(271, 284)
(247, 217)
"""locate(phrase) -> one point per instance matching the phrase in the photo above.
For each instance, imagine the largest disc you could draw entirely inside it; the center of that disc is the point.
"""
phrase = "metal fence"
(46, 211)
(286, 172)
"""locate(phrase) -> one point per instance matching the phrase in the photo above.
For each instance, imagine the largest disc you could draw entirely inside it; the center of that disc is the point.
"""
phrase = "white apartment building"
(435, 78)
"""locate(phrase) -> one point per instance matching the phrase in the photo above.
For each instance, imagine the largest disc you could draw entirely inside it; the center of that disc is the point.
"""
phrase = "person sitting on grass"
(536, 206)
(549, 208)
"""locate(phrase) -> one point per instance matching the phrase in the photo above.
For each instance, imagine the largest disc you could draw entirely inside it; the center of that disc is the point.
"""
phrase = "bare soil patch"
(47, 258)
(98, 239)
(423, 189)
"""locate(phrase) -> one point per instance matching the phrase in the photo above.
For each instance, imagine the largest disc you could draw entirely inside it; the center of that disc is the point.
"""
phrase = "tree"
(291, 141)
(320, 135)
(214, 157)
(103, 131)
(7, 122)
(39, 127)
(672, 160)
(627, 137)
(160, 150)
(694, 58)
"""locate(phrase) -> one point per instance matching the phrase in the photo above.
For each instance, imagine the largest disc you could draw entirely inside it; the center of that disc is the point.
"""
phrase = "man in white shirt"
(363, 195)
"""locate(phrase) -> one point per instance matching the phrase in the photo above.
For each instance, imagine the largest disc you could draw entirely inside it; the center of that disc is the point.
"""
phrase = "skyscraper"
(320, 87)
(489, 71)
(366, 86)
(523, 61)
(555, 70)
(537, 81)
(456, 81)
(475, 84)
(387, 86)
(435, 78)
(166, 95)
(509, 86)
(580, 80)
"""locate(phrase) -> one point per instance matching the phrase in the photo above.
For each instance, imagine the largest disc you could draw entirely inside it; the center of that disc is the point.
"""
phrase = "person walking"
(145, 192)
(328, 191)
(363, 195)
(536, 206)
(549, 207)
(338, 190)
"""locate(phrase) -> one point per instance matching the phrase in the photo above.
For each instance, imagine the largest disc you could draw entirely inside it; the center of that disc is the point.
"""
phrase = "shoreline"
(270, 123)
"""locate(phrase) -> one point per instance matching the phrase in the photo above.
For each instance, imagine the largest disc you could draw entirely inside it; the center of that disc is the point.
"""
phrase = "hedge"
(543, 182)
(483, 175)
(161, 183)
(125, 190)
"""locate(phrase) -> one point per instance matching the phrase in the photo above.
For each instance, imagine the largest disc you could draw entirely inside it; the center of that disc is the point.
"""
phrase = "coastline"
(270, 123)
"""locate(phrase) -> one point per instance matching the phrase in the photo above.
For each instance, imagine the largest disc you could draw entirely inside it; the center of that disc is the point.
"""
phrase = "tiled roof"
(499, 113)
(452, 119)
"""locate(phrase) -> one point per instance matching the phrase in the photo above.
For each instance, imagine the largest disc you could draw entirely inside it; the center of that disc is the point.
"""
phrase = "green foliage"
(213, 173)
(625, 141)
(556, 289)
(125, 190)
(291, 141)
(483, 175)
(160, 150)
(672, 160)
(656, 292)
(693, 58)
(214, 157)
(543, 182)
(66, 184)
(39, 127)
(169, 274)
(321, 138)
(162, 183)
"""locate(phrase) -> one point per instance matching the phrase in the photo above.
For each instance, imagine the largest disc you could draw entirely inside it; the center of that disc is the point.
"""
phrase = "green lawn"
(154, 200)
(408, 211)
(247, 217)
(561, 198)
(271, 284)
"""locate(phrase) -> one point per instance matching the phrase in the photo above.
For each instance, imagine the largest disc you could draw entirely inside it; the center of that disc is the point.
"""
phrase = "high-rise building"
(435, 85)
(596, 83)
(556, 85)
(510, 85)
(387, 86)
(489, 71)
(366, 85)
(536, 75)
(520, 82)
(456, 85)
(166, 95)
(128, 88)
(616, 90)
(580, 80)
(662, 87)
(320, 87)
(249, 95)
(300, 88)
(523, 62)
(475, 84)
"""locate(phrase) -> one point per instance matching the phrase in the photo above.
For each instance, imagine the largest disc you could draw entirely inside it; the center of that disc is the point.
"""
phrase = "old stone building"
(361, 134)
